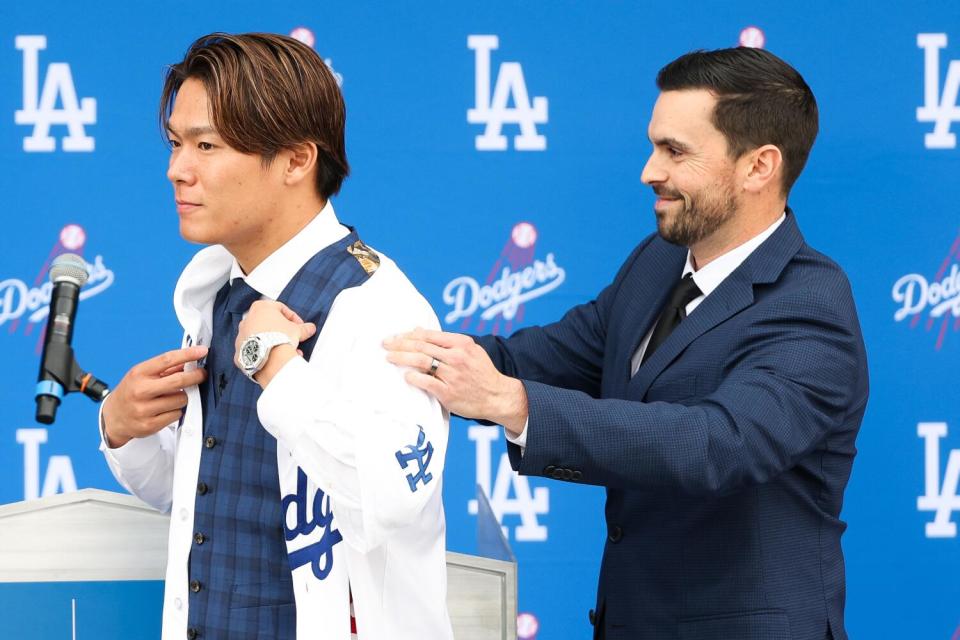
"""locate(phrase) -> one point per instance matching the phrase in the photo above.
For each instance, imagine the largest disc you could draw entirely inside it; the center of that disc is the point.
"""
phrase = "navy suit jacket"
(725, 457)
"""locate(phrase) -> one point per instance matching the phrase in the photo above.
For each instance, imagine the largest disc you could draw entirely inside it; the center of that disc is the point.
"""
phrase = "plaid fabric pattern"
(240, 582)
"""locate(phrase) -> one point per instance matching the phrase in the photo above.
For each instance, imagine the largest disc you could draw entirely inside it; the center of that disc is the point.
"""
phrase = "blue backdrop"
(496, 150)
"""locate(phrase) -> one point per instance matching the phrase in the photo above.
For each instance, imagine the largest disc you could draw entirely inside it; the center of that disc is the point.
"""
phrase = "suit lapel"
(734, 294)
(664, 265)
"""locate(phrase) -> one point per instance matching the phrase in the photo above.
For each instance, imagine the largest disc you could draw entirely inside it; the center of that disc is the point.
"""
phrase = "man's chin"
(195, 234)
(668, 232)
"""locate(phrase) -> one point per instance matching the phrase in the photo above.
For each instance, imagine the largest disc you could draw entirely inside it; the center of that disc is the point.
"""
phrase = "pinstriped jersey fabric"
(240, 584)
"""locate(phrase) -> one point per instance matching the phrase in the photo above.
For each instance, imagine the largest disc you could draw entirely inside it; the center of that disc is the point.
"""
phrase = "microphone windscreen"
(69, 267)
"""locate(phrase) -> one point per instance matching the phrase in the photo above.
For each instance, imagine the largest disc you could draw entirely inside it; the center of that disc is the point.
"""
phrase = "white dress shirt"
(707, 280)
(340, 417)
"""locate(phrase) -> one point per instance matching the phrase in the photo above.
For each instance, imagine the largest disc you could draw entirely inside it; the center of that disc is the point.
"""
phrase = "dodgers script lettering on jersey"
(319, 554)
(939, 108)
(40, 108)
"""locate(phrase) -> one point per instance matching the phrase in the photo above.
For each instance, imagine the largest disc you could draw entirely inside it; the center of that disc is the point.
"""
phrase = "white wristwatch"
(255, 350)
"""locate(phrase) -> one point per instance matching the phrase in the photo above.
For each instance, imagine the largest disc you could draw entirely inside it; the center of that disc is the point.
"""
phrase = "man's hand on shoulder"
(459, 373)
(268, 315)
(150, 396)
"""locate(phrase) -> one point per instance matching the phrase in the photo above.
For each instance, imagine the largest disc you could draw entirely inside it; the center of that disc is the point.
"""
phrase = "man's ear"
(763, 168)
(299, 162)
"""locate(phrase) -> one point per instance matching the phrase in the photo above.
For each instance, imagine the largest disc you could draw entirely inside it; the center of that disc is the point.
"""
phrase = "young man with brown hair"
(309, 488)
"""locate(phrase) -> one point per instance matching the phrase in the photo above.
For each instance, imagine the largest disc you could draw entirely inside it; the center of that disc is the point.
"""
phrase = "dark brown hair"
(760, 100)
(267, 93)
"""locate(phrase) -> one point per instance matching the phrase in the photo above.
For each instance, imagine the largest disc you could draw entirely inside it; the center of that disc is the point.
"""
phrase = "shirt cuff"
(520, 440)
(135, 453)
(280, 405)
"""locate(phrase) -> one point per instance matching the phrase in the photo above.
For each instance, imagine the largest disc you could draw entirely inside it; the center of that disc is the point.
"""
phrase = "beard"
(700, 214)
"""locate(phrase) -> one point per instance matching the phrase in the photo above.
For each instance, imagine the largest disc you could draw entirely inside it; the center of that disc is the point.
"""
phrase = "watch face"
(250, 352)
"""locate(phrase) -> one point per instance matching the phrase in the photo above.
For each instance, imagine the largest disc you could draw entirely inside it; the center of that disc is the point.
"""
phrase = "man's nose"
(181, 168)
(652, 172)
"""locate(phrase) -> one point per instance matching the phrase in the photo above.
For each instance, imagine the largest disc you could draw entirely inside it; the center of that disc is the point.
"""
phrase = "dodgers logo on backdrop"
(940, 497)
(495, 111)
(40, 108)
(940, 108)
(936, 299)
(515, 279)
(19, 299)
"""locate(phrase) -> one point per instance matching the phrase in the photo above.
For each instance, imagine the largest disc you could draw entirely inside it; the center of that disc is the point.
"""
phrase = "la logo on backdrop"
(494, 111)
(40, 107)
(24, 308)
(516, 278)
(939, 107)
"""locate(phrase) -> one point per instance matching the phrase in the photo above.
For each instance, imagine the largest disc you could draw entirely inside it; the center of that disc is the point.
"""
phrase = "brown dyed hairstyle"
(760, 100)
(267, 93)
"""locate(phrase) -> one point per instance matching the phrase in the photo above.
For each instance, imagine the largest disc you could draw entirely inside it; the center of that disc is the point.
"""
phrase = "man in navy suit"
(715, 388)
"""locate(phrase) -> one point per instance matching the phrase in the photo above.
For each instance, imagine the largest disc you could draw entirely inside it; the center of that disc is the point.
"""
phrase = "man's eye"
(204, 146)
(674, 153)
(173, 144)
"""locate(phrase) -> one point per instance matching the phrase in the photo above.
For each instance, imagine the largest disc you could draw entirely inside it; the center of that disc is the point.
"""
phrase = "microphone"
(59, 372)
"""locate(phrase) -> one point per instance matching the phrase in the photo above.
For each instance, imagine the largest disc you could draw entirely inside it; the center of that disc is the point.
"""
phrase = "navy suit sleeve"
(567, 353)
(793, 379)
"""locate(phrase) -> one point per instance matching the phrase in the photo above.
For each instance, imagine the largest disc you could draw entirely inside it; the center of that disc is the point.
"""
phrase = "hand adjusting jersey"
(358, 462)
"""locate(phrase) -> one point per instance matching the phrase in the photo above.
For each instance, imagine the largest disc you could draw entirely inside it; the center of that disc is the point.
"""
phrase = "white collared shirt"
(271, 276)
(707, 279)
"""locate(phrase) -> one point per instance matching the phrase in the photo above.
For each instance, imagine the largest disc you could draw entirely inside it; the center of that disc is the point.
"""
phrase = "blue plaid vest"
(240, 582)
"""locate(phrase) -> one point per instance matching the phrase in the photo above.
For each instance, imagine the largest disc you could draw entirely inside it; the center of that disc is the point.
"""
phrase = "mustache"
(668, 193)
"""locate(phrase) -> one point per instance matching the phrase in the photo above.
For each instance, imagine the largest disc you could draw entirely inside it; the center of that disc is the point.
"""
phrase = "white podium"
(72, 556)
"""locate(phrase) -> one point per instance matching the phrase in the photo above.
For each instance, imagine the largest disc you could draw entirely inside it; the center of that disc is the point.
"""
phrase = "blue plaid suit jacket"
(725, 457)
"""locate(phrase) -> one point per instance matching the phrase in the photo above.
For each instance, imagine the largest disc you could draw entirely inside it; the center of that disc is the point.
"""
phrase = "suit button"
(593, 617)
(202, 488)
(616, 534)
(192, 633)
(210, 442)
(548, 470)
(568, 474)
(577, 475)
(199, 538)
(558, 473)
(195, 586)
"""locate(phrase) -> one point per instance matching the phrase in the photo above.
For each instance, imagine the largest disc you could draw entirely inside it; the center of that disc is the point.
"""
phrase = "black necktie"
(675, 311)
(226, 319)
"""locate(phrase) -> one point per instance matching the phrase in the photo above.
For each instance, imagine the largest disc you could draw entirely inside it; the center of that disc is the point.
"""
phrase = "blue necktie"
(228, 310)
